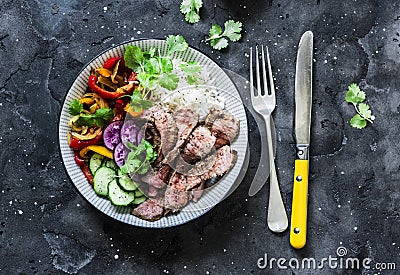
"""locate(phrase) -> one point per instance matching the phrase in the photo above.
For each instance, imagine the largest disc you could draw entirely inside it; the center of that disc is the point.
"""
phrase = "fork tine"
(264, 72)
(258, 73)
(271, 79)
(251, 74)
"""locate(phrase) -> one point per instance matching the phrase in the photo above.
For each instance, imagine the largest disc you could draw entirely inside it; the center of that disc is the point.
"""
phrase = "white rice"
(200, 98)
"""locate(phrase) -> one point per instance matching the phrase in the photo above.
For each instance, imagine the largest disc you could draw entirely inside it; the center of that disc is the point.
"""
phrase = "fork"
(264, 104)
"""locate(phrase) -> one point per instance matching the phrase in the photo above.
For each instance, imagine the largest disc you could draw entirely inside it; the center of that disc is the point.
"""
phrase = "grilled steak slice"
(166, 126)
(184, 183)
(175, 199)
(225, 158)
(197, 192)
(149, 210)
(223, 125)
(200, 144)
(157, 178)
(185, 120)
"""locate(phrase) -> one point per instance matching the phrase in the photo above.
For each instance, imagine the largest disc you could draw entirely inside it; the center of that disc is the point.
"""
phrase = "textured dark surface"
(47, 228)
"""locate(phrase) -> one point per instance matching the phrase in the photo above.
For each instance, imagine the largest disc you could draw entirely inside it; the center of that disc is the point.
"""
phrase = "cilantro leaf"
(191, 9)
(219, 39)
(215, 32)
(176, 43)
(151, 154)
(99, 118)
(364, 110)
(355, 94)
(133, 57)
(219, 43)
(364, 115)
(358, 122)
(192, 70)
(168, 81)
(232, 30)
(75, 108)
(137, 103)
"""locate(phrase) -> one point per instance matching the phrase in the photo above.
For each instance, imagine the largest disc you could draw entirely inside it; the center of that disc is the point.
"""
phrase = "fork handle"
(277, 219)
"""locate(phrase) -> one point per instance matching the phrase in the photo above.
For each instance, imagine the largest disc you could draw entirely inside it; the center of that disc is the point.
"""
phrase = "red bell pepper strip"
(77, 144)
(86, 172)
(92, 82)
(80, 161)
(110, 63)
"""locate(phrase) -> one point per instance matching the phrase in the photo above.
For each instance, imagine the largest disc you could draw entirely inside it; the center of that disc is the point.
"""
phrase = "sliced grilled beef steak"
(166, 126)
(149, 210)
(200, 144)
(175, 199)
(183, 182)
(223, 125)
(225, 158)
(197, 192)
(186, 120)
(157, 178)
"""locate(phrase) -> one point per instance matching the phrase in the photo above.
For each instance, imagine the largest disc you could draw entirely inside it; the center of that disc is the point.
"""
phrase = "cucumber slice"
(102, 178)
(118, 196)
(139, 200)
(138, 193)
(126, 182)
(110, 164)
(95, 162)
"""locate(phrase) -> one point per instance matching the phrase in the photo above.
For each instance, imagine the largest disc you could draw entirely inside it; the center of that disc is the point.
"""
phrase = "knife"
(303, 95)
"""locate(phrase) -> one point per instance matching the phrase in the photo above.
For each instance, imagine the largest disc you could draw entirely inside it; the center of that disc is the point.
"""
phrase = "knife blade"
(303, 100)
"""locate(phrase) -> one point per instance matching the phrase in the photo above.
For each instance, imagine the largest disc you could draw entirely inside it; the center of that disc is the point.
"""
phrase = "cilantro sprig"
(191, 9)
(135, 162)
(219, 39)
(153, 69)
(357, 97)
(99, 118)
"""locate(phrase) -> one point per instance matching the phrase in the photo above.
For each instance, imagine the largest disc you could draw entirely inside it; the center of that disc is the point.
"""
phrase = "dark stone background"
(47, 228)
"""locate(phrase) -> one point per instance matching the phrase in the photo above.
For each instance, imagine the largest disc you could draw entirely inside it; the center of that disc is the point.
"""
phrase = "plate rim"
(168, 225)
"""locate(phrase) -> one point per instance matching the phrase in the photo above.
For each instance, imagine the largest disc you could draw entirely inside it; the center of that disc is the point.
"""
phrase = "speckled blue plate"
(212, 196)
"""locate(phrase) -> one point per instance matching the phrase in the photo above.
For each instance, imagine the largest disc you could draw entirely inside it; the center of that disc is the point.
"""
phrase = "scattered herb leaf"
(191, 9)
(356, 97)
(218, 38)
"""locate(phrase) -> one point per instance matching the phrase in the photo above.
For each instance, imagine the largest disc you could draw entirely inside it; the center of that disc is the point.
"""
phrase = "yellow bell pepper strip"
(98, 149)
(87, 136)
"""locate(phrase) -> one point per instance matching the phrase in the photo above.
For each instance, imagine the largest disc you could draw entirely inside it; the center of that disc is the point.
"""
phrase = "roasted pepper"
(77, 144)
(92, 82)
(110, 63)
(80, 161)
(98, 149)
(86, 172)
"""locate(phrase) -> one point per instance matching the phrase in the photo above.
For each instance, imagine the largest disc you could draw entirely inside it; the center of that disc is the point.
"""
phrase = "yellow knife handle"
(298, 228)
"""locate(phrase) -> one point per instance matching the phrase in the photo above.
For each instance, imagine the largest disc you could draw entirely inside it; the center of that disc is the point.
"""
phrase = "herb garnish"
(218, 39)
(155, 70)
(356, 96)
(191, 9)
(135, 162)
(99, 118)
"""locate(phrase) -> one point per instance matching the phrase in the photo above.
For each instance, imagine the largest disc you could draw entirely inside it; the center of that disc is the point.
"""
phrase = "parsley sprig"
(357, 97)
(219, 39)
(99, 118)
(191, 9)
